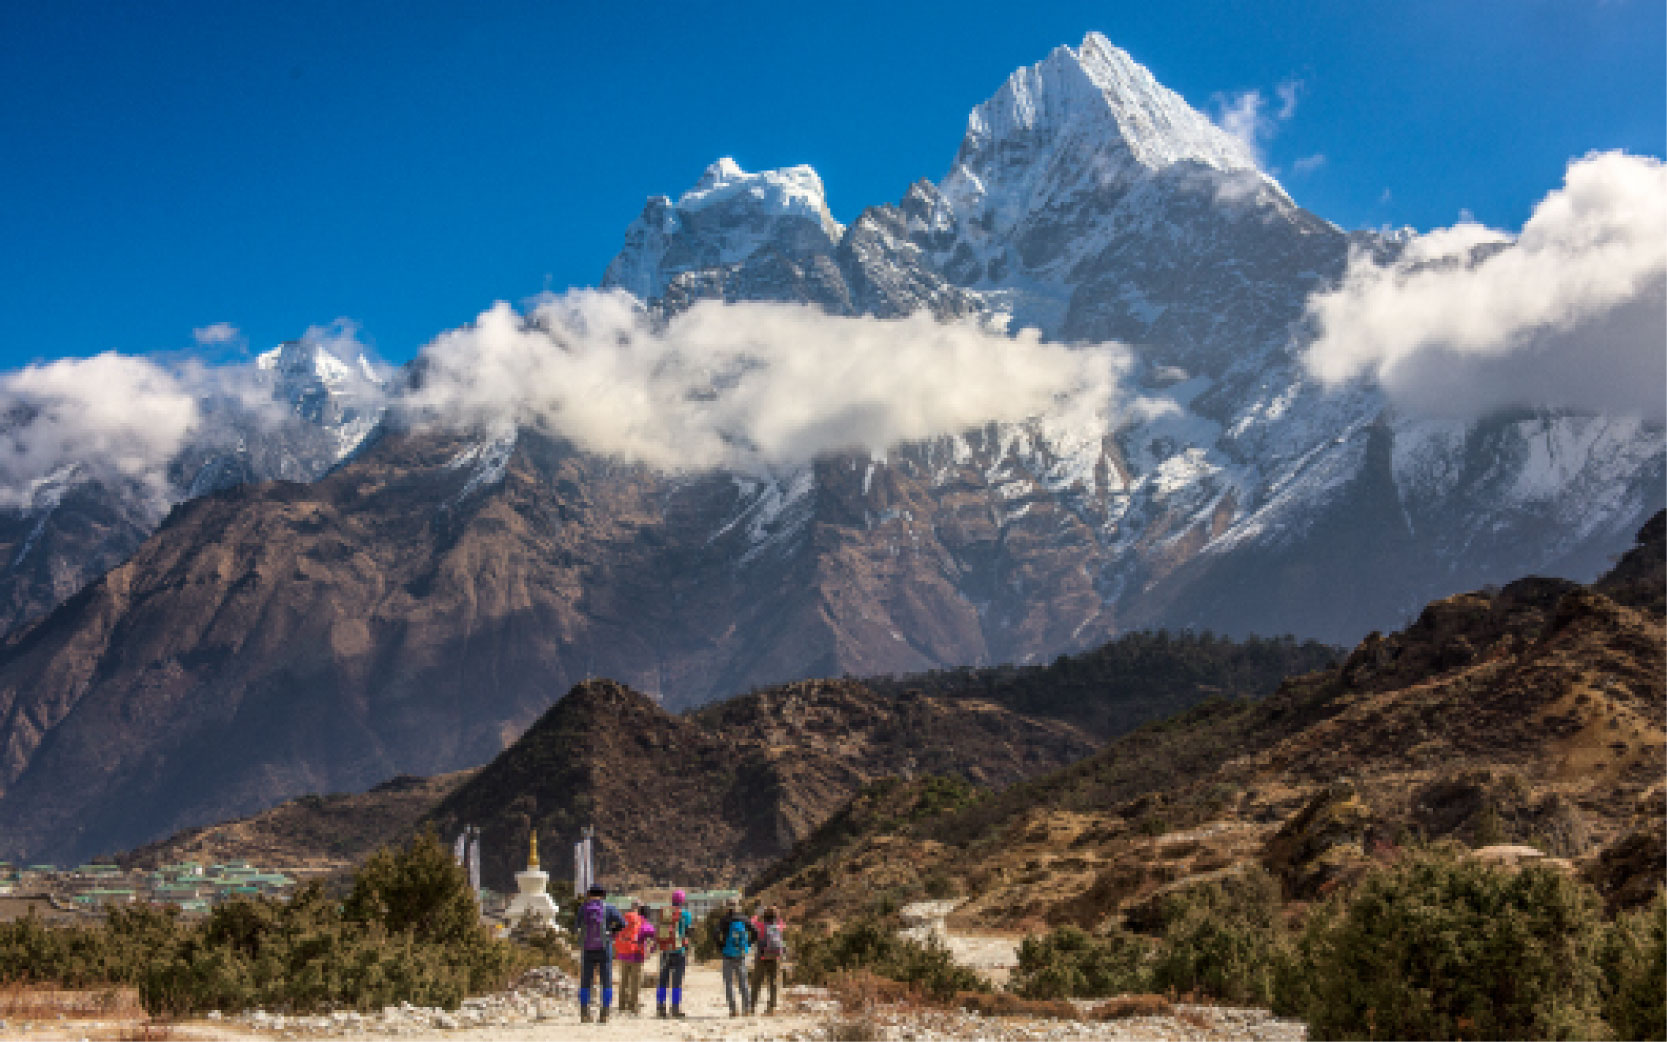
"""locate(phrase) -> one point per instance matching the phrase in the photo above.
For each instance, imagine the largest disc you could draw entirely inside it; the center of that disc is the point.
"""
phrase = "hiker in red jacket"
(630, 947)
(675, 926)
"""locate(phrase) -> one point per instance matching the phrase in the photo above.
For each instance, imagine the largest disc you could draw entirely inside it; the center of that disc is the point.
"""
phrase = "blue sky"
(170, 165)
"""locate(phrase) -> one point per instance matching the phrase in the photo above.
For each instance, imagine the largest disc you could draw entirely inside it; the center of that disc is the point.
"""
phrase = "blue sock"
(607, 997)
(659, 996)
(584, 998)
(677, 996)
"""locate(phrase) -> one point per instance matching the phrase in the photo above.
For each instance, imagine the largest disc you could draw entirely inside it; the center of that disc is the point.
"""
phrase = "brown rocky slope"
(319, 833)
(406, 615)
(713, 796)
(1527, 715)
(983, 728)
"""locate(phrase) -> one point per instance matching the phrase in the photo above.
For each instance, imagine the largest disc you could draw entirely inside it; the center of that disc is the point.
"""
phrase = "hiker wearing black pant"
(772, 952)
(735, 939)
(675, 924)
(594, 924)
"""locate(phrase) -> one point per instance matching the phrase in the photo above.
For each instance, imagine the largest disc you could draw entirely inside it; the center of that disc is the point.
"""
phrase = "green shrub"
(1441, 946)
(872, 944)
(420, 889)
(409, 932)
(1225, 939)
(1071, 963)
(1634, 962)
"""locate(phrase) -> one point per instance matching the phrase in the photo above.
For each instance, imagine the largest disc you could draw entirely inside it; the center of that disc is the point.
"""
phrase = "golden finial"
(532, 858)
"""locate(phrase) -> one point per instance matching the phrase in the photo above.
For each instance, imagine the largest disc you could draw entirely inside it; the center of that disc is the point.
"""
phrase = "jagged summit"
(342, 397)
(1080, 120)
(308, 360)
(789, 191)
(727, 217)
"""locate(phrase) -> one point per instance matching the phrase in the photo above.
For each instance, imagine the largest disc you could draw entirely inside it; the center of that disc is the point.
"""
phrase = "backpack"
(670, 933)
(735, 938)
(626, 942)
(772, 944)
(593, 927)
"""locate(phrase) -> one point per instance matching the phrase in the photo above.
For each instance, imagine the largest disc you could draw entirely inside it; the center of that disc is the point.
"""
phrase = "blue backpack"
(735, 939)
(593, 930)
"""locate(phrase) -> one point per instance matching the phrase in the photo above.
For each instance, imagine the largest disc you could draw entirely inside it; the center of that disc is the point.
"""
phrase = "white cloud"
(749, 384)
(1248, 115)
(1287, 93)
(1308, 164)
(1241, 115)
(218, 333)
(1570, 313)
(111, 415)
(132, 419)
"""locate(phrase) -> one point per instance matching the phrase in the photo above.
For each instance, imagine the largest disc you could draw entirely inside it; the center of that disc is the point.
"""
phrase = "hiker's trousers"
(630, 982)
(594, 963)
(672, 965)
(735, 979)
(765, 971)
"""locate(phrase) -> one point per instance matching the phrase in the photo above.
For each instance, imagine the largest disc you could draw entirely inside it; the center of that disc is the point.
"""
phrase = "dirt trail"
(703, 1000)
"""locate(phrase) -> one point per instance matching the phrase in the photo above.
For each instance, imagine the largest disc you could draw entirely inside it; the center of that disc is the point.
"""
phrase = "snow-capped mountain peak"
(791, 190)
(343, 398)
(1079, 121)
(308, 362)
(725, 218)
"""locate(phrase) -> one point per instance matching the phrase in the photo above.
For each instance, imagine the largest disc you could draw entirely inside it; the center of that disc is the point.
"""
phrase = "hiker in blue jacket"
(735, 939)
(595, 924)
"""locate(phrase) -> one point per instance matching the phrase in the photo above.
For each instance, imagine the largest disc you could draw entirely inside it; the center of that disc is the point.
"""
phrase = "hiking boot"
(604, 1017)
(677, 1013)
(660, 1011)
(584, 1014)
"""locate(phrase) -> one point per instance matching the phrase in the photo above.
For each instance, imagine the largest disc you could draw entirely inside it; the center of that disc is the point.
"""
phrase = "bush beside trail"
(1437, 945)
(407, 932)
(872, 944)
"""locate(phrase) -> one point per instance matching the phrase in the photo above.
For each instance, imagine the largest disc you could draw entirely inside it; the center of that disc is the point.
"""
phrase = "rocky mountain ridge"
(1527, 715)
(711, 797)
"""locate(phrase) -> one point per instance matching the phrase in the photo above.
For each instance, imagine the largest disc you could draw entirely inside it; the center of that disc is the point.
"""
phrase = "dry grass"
(53, 1004)
(49, 1002)
(861, 990)
(1007, 1004)
(1131, 1006)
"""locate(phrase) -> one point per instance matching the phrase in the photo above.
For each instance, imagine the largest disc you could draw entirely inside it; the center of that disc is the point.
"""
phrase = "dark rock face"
(54, 549)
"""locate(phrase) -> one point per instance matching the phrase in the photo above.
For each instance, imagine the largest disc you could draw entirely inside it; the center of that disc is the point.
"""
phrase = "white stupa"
(532, 900)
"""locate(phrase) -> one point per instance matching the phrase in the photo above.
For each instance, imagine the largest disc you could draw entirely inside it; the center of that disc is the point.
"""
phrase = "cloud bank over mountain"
(1571, 313)
(121, 416)
(748, 384)
(127, 418)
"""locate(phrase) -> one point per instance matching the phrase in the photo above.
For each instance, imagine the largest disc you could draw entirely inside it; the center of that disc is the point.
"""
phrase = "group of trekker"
(606, 935)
